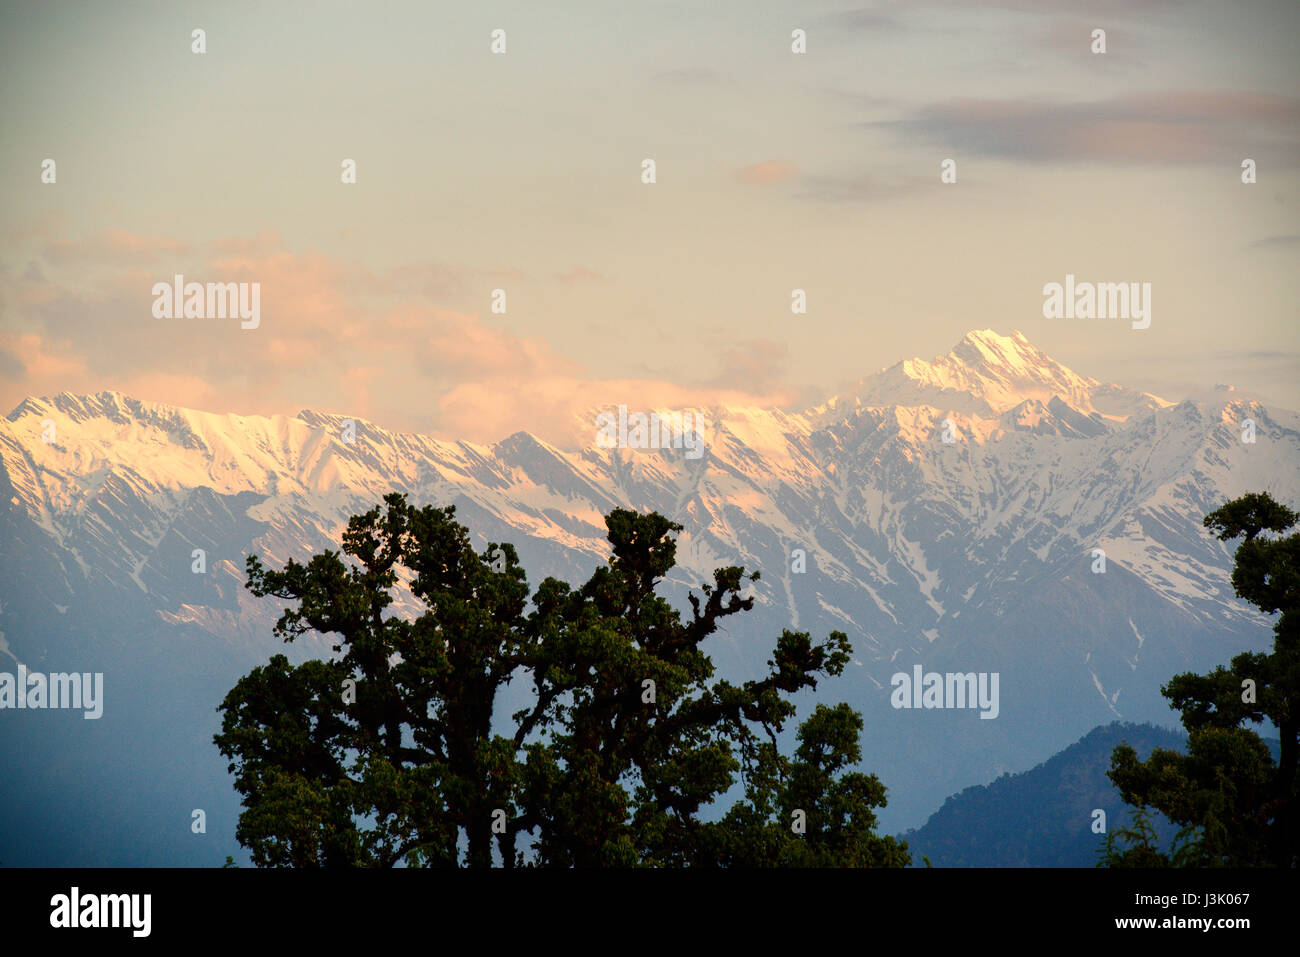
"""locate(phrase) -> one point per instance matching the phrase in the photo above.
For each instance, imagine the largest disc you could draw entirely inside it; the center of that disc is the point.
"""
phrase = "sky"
(523, 171)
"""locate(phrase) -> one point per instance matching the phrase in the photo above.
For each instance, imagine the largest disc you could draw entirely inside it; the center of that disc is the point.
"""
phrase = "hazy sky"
(522, 171)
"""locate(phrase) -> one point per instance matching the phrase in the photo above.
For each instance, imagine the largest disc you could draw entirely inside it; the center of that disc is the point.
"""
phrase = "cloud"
(333, 336)
(756, 365)
(1167, 128)
(1290, 240)
(29, 358)
(766, 173)
(11, 366)
(863, 18)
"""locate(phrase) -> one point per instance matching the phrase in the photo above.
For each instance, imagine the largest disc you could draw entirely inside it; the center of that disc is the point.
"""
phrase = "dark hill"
(1041, 817)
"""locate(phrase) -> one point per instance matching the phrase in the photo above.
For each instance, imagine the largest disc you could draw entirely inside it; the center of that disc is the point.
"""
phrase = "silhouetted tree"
(386, 754)
(1238, 808)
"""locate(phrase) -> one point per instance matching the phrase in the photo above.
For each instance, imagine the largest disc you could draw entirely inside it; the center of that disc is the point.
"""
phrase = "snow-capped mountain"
(951, 513)
(986, 375)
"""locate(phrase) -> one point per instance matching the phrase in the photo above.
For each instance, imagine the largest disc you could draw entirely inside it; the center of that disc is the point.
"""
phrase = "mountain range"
(988, 511)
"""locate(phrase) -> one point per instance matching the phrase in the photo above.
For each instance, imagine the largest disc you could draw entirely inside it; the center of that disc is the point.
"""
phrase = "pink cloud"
(42, 361)
(333, 336)
(766, 173)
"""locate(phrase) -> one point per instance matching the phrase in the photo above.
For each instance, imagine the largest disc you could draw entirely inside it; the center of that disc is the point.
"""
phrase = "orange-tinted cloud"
(36, 360)
(333, 336)
(766, 173)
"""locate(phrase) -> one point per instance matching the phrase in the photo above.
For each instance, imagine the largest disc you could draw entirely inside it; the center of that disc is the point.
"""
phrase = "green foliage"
(1141, 850)
(839, 825)
(1238, 807)
(386, 755)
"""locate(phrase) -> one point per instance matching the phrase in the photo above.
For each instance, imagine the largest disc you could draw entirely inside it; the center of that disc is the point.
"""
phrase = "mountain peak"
(986, 347)
(987, 374)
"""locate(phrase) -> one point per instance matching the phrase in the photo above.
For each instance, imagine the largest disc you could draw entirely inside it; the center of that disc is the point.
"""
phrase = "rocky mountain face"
(989, 511)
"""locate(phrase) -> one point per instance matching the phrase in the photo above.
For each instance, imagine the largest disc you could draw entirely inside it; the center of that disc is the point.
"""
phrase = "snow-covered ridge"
(930, 484)
(989, 385)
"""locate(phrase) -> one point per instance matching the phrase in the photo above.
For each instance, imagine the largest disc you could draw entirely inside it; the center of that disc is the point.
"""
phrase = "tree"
(1237, 806)
(1141, 850)
(397, 731)
(834, 805)
(386, 754)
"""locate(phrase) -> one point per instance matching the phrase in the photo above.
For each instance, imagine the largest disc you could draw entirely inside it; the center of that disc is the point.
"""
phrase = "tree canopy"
(1237, 807)
(386, 754)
